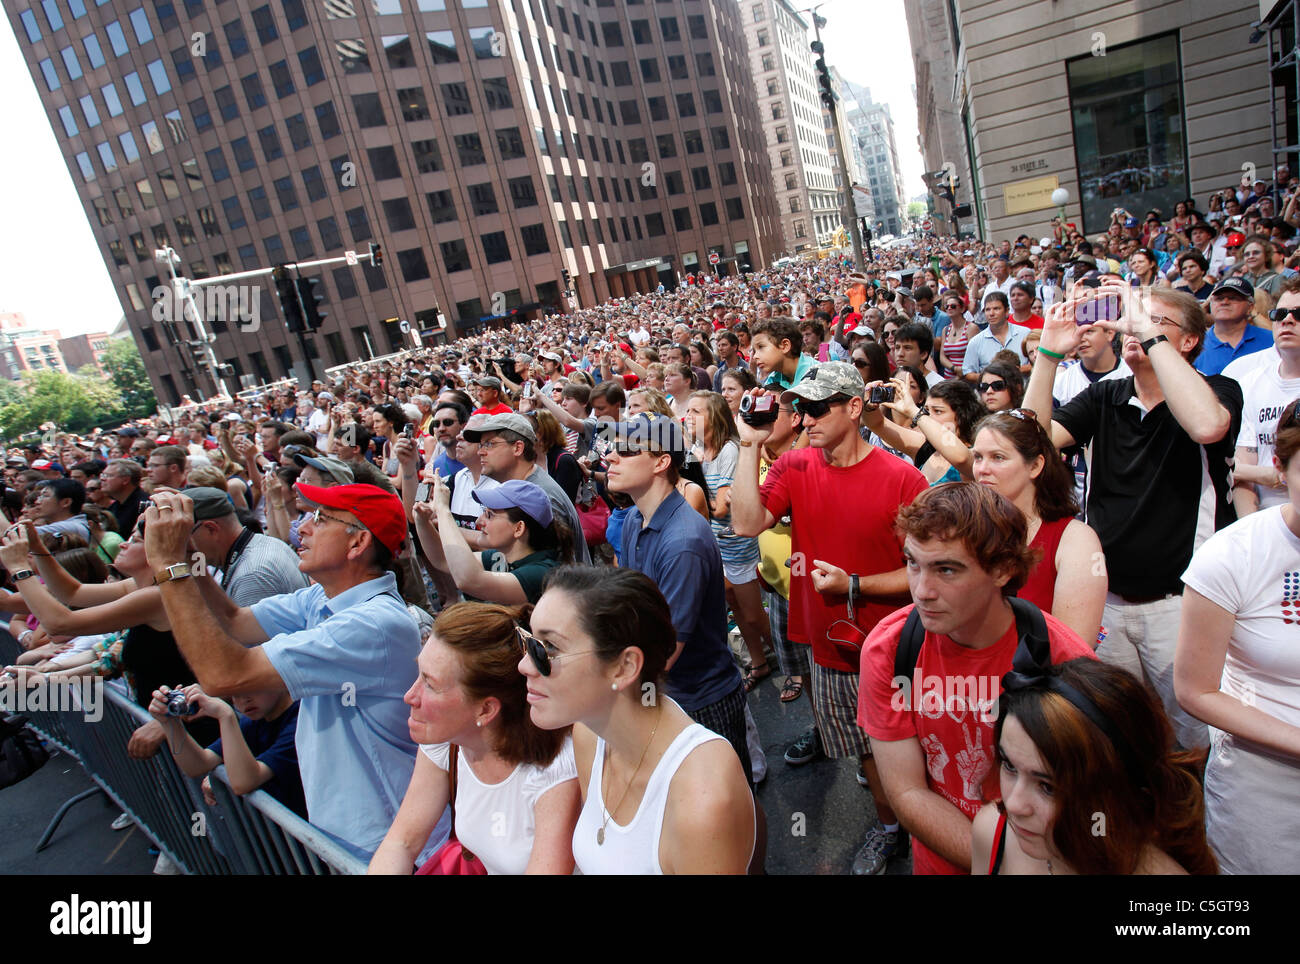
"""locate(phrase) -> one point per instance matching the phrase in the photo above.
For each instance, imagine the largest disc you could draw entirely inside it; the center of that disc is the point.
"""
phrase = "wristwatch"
(21, 574)
(1152, 342)
(177, 570)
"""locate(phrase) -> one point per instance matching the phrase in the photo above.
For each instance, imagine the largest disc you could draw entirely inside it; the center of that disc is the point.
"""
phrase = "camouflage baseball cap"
(826, 380)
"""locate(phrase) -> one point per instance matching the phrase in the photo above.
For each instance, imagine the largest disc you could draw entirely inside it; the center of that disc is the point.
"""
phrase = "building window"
(685, 105)
(455, 256)
(510, 144)
(682, 219)
(496, 93)
(669, 30)
(708, 214)
(1130, 137)
(735, 209)
(654, 225)
(455, 98)
(398, 214)
(413, 265)
(253, 92)
(442, 46)
(312, 71)
(368, 110)
(397, 50)
(427, 156)
(415, 107)
(285, 193)
(314, 184)
(328, 122)
(535, 239)
(482, 199)
(469, 150)
(441, 206)
(299, 135)
(765, 38)
(495, 247)
(383, 163)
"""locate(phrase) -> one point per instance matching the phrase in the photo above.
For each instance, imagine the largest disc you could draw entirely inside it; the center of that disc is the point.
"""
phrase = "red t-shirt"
(1035, 322)
(858, 537)
(957, 739)
(500, 408)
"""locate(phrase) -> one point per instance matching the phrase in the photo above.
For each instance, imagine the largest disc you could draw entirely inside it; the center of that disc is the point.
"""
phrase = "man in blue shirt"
(345, 647)
(1232, 336)
(673, 544)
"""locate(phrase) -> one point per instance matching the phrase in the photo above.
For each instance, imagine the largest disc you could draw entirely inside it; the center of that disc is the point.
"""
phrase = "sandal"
(792, 689)
(753, 678)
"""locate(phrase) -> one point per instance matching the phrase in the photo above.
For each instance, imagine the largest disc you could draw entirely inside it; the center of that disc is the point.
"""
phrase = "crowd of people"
(1022, 518)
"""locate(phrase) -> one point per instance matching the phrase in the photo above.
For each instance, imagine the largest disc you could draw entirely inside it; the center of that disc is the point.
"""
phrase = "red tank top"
(1040, 587)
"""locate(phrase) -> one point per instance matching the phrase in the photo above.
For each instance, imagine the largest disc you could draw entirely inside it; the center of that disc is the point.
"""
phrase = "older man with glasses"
(120, 481)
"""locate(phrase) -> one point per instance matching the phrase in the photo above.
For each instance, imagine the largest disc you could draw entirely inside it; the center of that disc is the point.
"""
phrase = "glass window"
(481, 41)
(344, 283)
(236, 39)
(242, 148)
(199, 112)
(352, 56)
(281, 79)
(184, 230)
(270, 142)
(701, 179)
(455, 256)
(428, 6)
(712, 102)
(119, 256)
(193, 179)
(93, 51)
(708, 214)
(330, 238)
(69, 121)
(158, 74)
(441, 206)
(274, 249)
(328, 121)
(442, 46)
(735, 209)
(175, 126)
(89, 112)
(469, 150)
(51, 76)
(111, 100)
(397, 50)
(145, 190)
(483, 199)
(106, 156)
(522, 192)
(299, 135)
(698, 28)
(182, 63)
(720, 138)
(312, 70)
(535, 239)
(383, 163)
(253, 92)
(1130, 137)
(368, 109)
(217, 164)
(681, 219)
(666, 145)
(71, 63)
(87, 169)
(140, 24)
(152, 137)
(613, 34)
(264, 24)
(234, 213)
(673, 179)
(398, 214)
(685, 105)
(29, 25)
(116, 37)
(294, 14)
(303, 248)
(259, 202)
(427, 156)
(654, 225)
(415, 107)
(455, 98)
(650, 70)
(496, 93)
(315, 185)
(129, 151)
(52, 15)
(510, 144)
(669, 29)
(171, 190)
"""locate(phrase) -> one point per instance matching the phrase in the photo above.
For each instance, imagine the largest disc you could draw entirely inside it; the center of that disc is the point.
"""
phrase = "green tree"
(916, 211)
(72, 402)
(126, 371)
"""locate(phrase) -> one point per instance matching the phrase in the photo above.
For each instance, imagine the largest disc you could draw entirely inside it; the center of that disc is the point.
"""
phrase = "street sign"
(351, 257)
(714, 258)
(861, 204)
(404, 325)
(927, 225)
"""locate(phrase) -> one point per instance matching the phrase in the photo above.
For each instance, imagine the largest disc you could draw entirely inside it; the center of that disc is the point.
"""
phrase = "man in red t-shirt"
(967, 551)
(489, 397)
(846, 572)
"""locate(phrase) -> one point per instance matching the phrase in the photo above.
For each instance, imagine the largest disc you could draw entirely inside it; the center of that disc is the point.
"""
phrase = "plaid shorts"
(792, 657)
(835, 709)
(726, 718)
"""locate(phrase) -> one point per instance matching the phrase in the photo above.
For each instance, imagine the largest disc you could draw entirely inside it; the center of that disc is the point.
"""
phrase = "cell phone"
(408, 430)
(528, 389)
(423, 491)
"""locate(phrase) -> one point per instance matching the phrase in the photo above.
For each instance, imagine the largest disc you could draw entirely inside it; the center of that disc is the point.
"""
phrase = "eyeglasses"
(1280, 315)
(815, 409)
(861, 363)
(446, 422)
(318, 515)
(997, 386)
(540, 653)
(494, 442)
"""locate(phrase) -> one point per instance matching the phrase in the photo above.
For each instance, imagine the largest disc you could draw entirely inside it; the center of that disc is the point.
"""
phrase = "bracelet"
(1051, 354)
(31, 553)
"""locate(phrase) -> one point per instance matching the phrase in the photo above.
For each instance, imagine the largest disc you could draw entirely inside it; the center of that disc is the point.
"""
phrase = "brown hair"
(1146, 793)
(484, 638)
(779, 329)
(1287, 434)
(720, 423)
(577, 390)
(1054, 496)
(171, 455)
(992, 529)
(1192, 312)
(611, 391)
(549, 431)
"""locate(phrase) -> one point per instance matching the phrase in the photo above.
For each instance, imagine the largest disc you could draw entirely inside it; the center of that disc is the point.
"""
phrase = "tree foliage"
(74, 403)
(126, 370)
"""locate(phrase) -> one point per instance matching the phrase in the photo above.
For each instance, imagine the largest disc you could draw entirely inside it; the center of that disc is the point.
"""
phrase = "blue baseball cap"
(520, 494)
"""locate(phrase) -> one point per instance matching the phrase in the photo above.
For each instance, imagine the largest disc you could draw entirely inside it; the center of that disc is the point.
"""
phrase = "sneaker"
(862, 780)
(122, 822)
(805, 749)
(876, 851)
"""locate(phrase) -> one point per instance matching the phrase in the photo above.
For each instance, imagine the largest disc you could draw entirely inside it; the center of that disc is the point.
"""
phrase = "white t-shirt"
(1264, 394)
(1241, 367)
(1071, 380)
(495, 821)
(319, 423)
(1252, 569)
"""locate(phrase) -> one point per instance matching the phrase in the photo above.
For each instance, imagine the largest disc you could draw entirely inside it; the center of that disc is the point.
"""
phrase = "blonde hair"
(208, 475)
(655, 400)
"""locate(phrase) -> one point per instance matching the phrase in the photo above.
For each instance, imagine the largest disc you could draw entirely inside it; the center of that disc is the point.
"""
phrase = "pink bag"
(594, 518)
(452, 859)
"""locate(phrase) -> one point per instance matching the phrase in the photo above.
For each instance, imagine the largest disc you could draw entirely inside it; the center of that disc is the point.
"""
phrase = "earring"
(614, 687)
(478, 722)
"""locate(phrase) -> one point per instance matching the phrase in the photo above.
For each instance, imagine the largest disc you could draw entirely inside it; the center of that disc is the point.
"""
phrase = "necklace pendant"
(600, 836)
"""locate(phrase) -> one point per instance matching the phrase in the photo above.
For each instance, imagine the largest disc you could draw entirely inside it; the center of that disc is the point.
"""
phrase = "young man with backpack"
(932, 672)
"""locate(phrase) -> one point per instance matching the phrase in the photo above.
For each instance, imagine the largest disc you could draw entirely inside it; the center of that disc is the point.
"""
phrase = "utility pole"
(183, 293)
(847, 211)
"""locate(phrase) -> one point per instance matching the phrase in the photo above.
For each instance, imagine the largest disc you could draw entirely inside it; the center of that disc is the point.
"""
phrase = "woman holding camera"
(661, 794)
(938, 435)
(516, 793)
(1236, 667)
(522, 541)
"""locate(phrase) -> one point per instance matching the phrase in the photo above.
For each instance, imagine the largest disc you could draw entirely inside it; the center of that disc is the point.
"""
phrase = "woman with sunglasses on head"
(521, 541)
(1235, 668)
(937, 435)
(1001, 386)
(961, 329)
(661, 794)
(516, 792)
(1013, 454)
(1088, 782)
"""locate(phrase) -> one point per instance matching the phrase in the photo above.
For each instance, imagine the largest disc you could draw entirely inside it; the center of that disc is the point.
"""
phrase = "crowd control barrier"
(251, 834)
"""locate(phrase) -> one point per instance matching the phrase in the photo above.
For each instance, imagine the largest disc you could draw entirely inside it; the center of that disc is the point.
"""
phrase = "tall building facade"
(941, 137)
(803, 169)
(875, 155)
(1136, 104)
(501, 151)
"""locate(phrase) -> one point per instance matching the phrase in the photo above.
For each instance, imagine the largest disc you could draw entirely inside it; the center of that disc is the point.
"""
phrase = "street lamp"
(1060, 197)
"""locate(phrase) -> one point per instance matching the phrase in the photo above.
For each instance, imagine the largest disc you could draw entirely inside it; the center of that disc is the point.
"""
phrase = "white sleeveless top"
(634, 848)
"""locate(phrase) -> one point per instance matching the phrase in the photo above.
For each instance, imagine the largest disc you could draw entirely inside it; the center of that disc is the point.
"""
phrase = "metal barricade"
(250, 834)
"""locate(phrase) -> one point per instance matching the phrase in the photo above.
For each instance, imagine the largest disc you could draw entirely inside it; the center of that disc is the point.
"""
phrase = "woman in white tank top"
(661, 794)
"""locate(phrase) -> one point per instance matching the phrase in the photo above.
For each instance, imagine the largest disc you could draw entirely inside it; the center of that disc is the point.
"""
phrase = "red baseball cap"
(379, 511)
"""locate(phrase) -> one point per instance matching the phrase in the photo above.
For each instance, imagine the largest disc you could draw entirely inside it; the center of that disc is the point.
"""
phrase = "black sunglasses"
(1281, 314)
(817, 409)
(445, 422)
(536, 650)
(997, 386)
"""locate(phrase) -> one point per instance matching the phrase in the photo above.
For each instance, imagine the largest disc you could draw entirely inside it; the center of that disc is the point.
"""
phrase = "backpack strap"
(1034, 649)
(910, 641)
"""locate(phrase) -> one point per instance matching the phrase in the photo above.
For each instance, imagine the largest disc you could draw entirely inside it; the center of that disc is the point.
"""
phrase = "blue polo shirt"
(349, 660)
(1215, 354)
(677, 550)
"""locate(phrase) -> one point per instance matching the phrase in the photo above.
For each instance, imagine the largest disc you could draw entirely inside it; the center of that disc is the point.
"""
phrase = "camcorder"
(758, 410)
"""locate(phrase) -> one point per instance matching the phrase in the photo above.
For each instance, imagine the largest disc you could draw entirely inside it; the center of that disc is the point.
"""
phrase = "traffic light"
(376, 254)
(310, 299)
(198, 349)
(568, 279)
(824, 75)
(287, 291)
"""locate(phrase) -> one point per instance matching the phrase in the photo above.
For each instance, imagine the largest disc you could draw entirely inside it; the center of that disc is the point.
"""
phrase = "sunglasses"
(997, 386)
(1282, 314)
(1024, 414)
(539, 653)
(818, 409)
